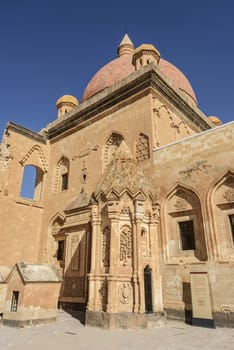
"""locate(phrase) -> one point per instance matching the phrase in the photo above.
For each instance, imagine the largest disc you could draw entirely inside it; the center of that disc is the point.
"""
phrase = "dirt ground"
(68, 334)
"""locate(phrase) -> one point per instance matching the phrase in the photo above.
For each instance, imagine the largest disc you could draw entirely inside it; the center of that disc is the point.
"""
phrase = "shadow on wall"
(187, 299)
(75, 283)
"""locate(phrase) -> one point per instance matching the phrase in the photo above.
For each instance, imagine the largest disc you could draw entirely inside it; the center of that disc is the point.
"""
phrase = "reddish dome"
(108, 75)
(122, 66)
(177, 77)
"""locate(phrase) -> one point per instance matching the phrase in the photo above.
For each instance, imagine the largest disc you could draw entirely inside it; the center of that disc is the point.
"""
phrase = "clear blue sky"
(50, 48)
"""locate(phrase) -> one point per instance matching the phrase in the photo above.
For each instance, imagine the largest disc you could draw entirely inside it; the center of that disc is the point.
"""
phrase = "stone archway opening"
(148, 289)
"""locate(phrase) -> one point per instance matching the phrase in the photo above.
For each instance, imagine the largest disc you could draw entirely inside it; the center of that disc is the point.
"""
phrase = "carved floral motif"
(229, 195)
(125, 245)
(181, 204)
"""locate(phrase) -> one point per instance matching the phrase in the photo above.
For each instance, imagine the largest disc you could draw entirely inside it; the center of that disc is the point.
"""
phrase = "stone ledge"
(27, 323)
(224, 319)
(124, 320)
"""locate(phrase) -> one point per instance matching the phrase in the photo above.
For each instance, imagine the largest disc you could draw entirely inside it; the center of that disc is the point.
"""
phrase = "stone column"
(135, 269)
(139, 288)
(94, 295)
(113, 213)
(156, 255)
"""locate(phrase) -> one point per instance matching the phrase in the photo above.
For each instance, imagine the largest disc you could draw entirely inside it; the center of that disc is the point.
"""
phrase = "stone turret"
(65, 104)
(145, 54)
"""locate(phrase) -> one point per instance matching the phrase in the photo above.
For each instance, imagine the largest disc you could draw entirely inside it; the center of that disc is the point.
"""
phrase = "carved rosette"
(125, 292)
(181, 204)
(229, 195)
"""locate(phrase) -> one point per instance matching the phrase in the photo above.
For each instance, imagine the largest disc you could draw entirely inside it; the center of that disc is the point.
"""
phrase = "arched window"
(31, 187)
(223, 212)
(62, 175)
(142, 148)
(110, 148)
(185, 228)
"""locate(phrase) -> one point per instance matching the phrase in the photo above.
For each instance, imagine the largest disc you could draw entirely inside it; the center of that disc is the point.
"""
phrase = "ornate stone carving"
(106, 247)
(61, 168)
(156, 211)
(196, 168)
(229, 195)
(36, 148)
(111, 146)
(181, 204)
(125, 291)
(144, 242)
(85, 152)
(142, 148)
(125, 210)
(126, 245)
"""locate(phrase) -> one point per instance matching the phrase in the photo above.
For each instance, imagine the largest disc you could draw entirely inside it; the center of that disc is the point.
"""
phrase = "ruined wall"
(20, 218)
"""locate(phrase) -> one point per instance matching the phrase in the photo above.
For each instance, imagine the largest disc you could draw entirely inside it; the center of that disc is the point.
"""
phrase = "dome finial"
(126, 46)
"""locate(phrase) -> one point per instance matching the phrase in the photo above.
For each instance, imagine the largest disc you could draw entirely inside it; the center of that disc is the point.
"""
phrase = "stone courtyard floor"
(68, 334)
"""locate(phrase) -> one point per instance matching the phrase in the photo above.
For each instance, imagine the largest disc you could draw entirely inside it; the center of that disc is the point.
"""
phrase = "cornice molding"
(141, 81)
(25, 132)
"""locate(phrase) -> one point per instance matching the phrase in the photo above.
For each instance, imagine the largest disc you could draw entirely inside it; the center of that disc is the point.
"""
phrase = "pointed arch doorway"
(148, 289)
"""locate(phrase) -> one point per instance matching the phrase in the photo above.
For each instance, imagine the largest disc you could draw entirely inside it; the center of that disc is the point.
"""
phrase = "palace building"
(133, 207)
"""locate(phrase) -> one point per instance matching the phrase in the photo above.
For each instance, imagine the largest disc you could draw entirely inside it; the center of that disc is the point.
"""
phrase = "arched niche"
(184, 227)
(62, 175)
(112, 144)
(56, 240)
(222, 206)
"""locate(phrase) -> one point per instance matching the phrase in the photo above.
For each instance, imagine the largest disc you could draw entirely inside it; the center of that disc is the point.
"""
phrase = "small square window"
(14, 301)
(187, 235)
(231, 220)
